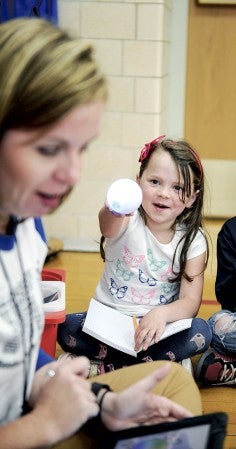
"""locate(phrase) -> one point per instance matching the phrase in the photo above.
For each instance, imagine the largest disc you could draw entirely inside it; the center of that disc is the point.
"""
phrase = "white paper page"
(117, 330)
(176, 326)
(110, 326)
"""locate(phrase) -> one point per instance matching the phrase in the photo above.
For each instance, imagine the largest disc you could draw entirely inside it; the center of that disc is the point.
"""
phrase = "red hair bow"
(149, 147)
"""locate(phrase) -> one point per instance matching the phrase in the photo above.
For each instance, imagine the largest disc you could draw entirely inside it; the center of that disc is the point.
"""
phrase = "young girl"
(154, 261)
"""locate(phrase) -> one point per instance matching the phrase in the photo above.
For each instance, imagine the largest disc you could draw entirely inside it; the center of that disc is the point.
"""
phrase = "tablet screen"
(198, 432)
(195, 437)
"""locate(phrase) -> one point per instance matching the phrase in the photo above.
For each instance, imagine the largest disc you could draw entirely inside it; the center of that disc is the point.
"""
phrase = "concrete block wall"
(132, 42)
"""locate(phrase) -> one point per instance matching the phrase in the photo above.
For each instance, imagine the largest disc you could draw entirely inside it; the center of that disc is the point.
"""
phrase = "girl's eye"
(178, 188)
(48, 151)
(154, 181)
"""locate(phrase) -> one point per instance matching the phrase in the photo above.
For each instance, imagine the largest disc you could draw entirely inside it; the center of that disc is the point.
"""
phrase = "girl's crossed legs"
(185, 344)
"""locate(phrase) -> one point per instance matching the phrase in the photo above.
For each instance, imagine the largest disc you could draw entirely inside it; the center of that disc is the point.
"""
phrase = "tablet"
(199, 432)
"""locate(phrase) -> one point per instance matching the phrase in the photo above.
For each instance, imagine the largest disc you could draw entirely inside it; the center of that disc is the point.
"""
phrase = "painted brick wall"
(132, 45)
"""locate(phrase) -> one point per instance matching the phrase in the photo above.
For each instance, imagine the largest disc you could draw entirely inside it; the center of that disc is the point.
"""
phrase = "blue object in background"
(10, 9)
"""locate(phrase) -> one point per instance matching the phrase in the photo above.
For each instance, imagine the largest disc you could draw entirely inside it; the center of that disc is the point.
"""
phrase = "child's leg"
(176, 348)
(183, 345)
(218, 365)
(223, 325)
(72, 339)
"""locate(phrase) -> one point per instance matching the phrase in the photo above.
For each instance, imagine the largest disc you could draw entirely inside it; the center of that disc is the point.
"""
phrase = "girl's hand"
(138, 405)
(151, 327)
(117, 214)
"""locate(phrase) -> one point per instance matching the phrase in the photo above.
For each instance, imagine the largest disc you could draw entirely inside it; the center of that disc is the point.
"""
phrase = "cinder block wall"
(133, 45)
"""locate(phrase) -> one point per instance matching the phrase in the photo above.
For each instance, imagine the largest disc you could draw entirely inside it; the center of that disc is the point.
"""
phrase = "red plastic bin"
(53, 318)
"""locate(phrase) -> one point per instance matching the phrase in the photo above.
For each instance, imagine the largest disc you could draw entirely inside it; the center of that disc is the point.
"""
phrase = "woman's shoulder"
(33, 225)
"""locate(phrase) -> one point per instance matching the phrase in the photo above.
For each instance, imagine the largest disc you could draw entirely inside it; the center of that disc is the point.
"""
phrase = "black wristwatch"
(96, 387)
(94, 426)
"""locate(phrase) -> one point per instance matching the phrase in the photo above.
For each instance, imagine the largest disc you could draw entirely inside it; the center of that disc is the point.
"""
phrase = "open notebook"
(117, 330)
(200, 432)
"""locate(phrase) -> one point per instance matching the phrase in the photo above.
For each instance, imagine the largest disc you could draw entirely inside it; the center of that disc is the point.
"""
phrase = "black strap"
(96, 387)
(94, 426)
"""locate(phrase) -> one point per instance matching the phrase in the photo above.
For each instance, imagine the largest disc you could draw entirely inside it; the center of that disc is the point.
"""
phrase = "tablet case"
(199, 432)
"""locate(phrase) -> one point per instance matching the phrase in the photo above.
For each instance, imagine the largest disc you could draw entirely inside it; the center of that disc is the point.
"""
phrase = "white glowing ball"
(124, 196)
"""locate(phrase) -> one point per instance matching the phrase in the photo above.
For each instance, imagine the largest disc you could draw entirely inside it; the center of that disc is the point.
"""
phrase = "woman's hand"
(138, 405)
(65, 401)
(151, 327)
(40, 377)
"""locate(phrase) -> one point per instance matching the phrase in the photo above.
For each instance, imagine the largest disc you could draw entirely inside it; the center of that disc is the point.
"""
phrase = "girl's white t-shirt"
(138, 268)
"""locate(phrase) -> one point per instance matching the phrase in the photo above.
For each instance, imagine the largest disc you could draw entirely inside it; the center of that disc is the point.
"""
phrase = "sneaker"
(187, 364)
(216, 369)
(96, 368)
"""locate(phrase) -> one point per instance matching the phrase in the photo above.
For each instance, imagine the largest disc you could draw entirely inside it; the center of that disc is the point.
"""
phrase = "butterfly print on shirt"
(130, 259)
(154, 264)
(122, 272)
(140, 298)
(164, 300)
(168, 287)
(118, 292)
(165, 276)
(145, 279)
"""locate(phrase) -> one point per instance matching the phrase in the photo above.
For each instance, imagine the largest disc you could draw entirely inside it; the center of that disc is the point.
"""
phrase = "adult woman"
(51, 100)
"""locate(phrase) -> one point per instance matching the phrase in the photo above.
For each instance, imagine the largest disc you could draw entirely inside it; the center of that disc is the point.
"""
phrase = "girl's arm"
(190, 295)
(187, 305)
(111, 224)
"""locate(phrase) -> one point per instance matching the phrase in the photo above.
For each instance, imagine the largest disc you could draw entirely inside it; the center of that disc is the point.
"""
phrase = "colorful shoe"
(216, 369)
(96, 368)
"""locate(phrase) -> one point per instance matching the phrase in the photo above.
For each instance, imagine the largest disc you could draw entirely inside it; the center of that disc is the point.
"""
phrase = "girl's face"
(162, 190)
(38, 169)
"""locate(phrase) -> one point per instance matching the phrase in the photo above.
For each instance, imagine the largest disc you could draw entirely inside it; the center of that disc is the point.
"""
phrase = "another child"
(218, 365)
(154, 261)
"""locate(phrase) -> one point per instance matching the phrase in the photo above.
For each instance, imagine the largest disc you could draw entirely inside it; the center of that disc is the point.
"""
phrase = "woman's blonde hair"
(44, 74)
